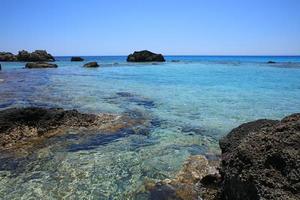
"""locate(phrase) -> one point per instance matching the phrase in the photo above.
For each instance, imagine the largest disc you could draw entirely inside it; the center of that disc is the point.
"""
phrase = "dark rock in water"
(260, 160)
(91, 64)
(36, 56)
(77, 59)
(20, 126)
(271, 62)
(145, 56)
(33, 65)
(175, 60)
(7, 57)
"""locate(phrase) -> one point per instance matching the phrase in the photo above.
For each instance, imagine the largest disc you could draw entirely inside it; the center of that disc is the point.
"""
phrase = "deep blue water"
(191, 100)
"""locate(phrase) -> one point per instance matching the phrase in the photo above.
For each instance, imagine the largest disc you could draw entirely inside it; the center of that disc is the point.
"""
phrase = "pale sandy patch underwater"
(192, 103)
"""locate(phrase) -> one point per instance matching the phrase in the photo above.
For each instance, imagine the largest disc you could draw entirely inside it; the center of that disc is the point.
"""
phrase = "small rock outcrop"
(271, 62)
(91, 65)
(145, 56)
(260, 160)
(36, 56)
(7, 57)
(76, 59)
(33, 65)
(25, 56)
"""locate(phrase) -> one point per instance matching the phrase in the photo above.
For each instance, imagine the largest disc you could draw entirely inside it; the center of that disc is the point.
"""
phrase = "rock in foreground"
(145, 56)
(77, 59)
(33, 65)
(261, 160)
(91, 64)
(20, 126)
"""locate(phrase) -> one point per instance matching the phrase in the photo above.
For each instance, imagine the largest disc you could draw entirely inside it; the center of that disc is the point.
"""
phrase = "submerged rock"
(91, 64)
(186, 185)
(7, 57)
(260, 160)
(271, 62)
(145, 56)
(77, 59)
(32, 65)
(36, 56)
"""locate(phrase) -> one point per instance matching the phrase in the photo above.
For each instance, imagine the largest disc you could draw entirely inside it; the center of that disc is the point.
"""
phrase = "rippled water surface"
(191, 104)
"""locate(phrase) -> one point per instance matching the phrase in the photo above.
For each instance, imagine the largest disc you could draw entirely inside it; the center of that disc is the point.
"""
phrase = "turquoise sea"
(191, 100)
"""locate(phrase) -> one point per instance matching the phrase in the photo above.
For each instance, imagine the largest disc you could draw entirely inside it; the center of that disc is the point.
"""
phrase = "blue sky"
(118, 27)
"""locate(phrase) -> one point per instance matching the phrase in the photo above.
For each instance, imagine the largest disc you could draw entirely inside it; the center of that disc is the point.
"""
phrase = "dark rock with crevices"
(261, 160)
(76, 59)
(145, 56)
(32, 65)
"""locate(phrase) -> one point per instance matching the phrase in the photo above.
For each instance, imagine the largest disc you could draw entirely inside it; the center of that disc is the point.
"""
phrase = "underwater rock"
(32, 65)
(36, 56)
(145, 56)
(186, 184)
(271, 62)
(19, 126)
(260, 160)
(91, 64)
(76, 59)
(7, 57)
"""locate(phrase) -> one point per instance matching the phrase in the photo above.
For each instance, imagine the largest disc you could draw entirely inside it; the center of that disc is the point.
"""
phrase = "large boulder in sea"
(145, 56)
(7, 57)
(91, 65)
(76, 59)
(32, 65)
(261, 160)
(36, 56)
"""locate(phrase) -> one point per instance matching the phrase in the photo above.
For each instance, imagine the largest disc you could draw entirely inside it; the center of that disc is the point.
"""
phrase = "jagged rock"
(260, 160)
(91, 64)
(7, 57)
(145, 56)
(77, 59)
(36, 56)
(32, 65)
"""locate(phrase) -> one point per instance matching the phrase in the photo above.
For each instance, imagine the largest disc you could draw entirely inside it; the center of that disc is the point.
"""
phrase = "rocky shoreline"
(260, 160)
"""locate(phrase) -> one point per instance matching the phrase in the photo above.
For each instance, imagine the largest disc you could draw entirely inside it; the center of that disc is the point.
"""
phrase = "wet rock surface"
(21, 125)
(145, 56)
(261, 160)
(186, 185)
(32, 65)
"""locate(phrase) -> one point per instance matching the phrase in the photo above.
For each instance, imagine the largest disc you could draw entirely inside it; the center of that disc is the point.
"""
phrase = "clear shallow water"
(193, 103)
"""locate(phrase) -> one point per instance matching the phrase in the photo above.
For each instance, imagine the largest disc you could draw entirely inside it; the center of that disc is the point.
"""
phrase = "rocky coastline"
(259, 160)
